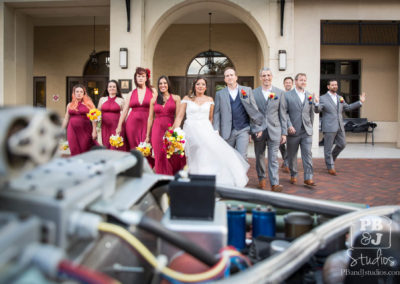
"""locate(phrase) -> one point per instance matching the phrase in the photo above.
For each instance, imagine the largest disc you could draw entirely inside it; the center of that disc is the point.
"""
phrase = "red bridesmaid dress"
(136, 123)
(164, 117)
(110, 113)
(79, 130)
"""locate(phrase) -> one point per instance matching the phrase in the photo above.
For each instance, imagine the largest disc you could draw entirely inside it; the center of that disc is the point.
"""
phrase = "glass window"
(209, 63)
(347, 74)
(98, 66)
(39, 95)
(349, 67)
(327, 67)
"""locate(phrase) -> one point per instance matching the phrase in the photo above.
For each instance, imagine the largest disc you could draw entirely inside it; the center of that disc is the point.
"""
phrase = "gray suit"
(332, 126)
(272, 110)
(222, 120)
(301, 117)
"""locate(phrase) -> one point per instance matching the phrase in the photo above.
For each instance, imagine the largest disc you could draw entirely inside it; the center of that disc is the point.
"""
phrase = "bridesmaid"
(81, 132)
(111, 105)
(165, 108)
(139, 103)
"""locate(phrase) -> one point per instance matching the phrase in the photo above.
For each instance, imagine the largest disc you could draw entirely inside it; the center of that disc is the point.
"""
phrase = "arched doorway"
(192, 10)
(211, 65)
(95, 77)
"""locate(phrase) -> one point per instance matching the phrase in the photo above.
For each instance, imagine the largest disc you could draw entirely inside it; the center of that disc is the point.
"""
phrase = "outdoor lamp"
(282, 60)
(123, 58)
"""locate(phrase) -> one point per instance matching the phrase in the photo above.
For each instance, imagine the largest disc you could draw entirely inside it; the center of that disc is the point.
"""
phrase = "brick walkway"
(367, 181)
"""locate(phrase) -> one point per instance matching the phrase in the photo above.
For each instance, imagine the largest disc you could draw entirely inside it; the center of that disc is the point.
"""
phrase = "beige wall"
(307, 19)
(379, 77)
(62, 51)
(181, 43)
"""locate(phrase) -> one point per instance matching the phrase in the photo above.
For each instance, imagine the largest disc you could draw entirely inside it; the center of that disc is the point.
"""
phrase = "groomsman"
(288, 85)
(300, 117)
(332, 106)
(236, 113)
(269, 99)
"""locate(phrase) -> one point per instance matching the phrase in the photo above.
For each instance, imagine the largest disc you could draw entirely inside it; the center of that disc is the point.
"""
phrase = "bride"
(206, 151)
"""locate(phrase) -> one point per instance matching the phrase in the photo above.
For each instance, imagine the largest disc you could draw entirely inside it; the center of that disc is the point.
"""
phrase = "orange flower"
(244, 94)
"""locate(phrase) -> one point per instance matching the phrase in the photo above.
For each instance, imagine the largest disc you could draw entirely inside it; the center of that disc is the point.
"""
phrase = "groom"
(235, 113)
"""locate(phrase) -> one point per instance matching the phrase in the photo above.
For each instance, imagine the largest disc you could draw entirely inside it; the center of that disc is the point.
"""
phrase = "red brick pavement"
(367, 181)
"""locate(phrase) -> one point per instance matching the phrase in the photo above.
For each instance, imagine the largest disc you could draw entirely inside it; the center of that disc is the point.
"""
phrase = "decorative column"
(120, 37)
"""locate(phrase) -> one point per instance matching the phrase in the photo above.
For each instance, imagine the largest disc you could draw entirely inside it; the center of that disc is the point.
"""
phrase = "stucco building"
(46, 46)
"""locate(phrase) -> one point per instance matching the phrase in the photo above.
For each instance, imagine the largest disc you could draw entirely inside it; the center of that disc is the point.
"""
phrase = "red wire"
(84, 274)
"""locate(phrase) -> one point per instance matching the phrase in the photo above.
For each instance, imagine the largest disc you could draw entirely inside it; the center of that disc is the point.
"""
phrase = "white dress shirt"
(302, 95)
(233, 93)
(266, 93)
(333, 97)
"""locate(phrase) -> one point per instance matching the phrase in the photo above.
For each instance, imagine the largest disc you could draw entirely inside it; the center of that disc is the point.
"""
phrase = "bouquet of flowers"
(116, 141)
(94, 114)
(64, 145)
(174, 142)
(144, 148)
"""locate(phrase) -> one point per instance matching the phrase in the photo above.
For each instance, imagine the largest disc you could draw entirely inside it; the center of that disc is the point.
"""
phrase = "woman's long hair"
(160, 99)
(86, 100)
(192, 93)
(106, 94)
(141, 70)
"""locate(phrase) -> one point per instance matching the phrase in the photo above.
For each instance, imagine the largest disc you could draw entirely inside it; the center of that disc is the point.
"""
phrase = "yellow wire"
(134, 242)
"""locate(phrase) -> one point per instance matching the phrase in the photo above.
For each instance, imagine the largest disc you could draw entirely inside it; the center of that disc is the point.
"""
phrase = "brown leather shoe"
(285, 168)
(332, 172)
(309, 182)
(293, 180)
(262, 184)
(276, 188)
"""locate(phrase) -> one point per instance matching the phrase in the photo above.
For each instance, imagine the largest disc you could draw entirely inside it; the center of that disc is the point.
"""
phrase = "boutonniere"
(341, 100)
(310, 99)
(272, 96)
(244, 94)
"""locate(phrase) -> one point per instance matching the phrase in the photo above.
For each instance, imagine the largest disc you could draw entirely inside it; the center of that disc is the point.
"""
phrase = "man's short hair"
(299, 74)
(229, 68)
(331, 80)
(265, 69)
(288, 78)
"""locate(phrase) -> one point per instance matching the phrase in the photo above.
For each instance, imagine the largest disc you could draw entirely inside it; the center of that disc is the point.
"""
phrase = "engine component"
(28, 137)
(194, 198)
(210, 235)
(263, 221)
(297, 224)
(278, 246)
(237, 226)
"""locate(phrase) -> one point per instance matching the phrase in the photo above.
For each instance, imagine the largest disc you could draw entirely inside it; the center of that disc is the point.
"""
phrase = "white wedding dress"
(207, 152)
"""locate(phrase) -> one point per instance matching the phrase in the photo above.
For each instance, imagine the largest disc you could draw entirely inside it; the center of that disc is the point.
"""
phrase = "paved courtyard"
(368, 181)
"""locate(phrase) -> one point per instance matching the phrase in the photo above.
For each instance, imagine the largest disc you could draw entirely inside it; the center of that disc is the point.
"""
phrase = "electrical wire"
(150, 258)
(84, 274)
(179, 241)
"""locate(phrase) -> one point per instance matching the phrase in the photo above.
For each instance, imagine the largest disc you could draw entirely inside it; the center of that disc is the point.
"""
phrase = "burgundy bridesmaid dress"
(110, 113)
(79, 130)
(136, 123)
(164, 117)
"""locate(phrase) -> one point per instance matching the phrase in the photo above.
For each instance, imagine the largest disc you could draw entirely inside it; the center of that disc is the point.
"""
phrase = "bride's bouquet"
(174, 142)
(144, 148)
(116, 141)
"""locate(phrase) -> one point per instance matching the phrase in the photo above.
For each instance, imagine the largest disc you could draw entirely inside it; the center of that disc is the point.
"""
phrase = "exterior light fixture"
(123, 58)
(282, 59)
